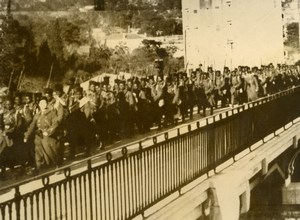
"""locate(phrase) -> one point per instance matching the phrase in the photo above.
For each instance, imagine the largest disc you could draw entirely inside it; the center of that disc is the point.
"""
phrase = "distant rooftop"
(120, 36)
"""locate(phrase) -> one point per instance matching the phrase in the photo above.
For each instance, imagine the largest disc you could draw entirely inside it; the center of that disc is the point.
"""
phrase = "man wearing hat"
(46, 138)
(77, 138)
(125, 120)
(209, 92)
(56, 103)
(105, 116)
(106, 80)
(145, 105)
(252, 85)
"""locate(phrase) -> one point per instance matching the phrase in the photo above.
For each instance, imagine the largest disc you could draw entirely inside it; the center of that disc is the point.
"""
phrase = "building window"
(195, 11)
(205, 4)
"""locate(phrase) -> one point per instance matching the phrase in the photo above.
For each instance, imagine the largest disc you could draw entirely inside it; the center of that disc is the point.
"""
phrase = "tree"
(13, 38)
(44, 60)
(55, 40)
(169, 4)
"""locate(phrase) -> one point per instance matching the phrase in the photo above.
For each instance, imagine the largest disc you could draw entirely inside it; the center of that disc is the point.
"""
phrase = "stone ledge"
(291, 194)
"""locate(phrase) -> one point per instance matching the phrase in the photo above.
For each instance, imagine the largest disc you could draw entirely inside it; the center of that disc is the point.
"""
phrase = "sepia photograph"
(149, 110)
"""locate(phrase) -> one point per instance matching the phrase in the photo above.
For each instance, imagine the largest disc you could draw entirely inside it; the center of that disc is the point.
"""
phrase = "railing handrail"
(85, 161)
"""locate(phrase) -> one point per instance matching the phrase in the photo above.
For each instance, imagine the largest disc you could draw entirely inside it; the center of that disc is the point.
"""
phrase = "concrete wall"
(225, 194)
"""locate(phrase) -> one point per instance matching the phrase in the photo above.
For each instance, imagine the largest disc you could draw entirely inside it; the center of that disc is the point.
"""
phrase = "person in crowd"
(34, 134)
(10, 123)
(28, 112)
(209, 92)
(44, 128)
(78, 126)
(252, 85)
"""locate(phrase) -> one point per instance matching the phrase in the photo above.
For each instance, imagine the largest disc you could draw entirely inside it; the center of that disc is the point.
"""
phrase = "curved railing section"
(123, 183)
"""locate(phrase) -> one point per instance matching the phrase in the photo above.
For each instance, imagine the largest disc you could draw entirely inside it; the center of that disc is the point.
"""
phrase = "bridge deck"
(127, 181)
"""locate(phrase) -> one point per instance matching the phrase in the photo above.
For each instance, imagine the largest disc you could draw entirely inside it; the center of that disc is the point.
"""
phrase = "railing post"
(18, 201)
(89, 166)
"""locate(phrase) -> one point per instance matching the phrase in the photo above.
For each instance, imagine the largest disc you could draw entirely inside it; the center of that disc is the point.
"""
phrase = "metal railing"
(136, 176)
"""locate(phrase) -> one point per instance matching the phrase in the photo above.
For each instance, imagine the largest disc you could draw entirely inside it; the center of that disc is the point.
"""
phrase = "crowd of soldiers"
(39, 132)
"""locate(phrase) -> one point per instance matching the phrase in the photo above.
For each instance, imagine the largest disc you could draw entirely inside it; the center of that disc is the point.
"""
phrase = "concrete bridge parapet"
(226, 194)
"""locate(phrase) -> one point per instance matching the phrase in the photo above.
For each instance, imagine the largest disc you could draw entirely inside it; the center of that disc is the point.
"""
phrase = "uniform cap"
(48, 91)
(58, 87)
(91, 82)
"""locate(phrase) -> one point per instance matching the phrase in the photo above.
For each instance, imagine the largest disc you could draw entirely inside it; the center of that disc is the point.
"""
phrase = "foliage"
(143, 58)
(14, 40)
(154, 20)
(40, 41)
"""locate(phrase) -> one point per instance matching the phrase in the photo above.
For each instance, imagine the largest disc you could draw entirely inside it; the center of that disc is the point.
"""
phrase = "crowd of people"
(42, 131)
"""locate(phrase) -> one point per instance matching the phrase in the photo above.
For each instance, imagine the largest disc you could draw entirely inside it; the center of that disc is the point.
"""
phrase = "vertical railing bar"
(146, 183)
(186, 145)
(100, 182)
(105, 192)
(158, 171)
(44, 207)
(112, 191)
(118, 207)
(17, 200)
(170, 169)
(180, 161)
(141, 183)
(143, 177)
(175, 162)
(71, 199)
(133, 186)
(150, 179)
(3, 212)
(25, 207)
(55, 201)
(200, 153)
(49, 201)
(125, 187)
(122, 186)
(81, 196)
(166, 167)
(189, 156)
(66, 199)
(109, 191)
(10, 211)
(76, 199)
(31, 204)
(183, 148)
(130, 205)
(194, 156)
(96, 194)
(38, 204)
(205, 153)
(137, 182)
(60, 201)
(89, 173)
(154, 173)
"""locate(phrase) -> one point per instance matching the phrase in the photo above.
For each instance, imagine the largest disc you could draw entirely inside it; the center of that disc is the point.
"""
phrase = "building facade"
(232, 32)
(291, 18)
